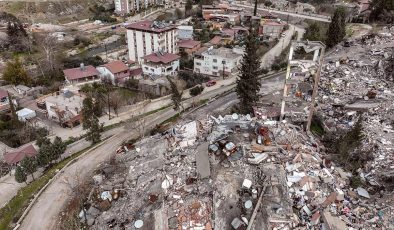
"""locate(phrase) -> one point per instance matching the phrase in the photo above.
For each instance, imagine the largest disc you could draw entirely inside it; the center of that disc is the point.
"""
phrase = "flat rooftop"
(151, 26)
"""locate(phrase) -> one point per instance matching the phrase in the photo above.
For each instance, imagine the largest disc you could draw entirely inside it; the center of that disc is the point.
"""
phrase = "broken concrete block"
(315, 219)
(258, 158)
(237, 223)
(93, 211)
(362, 192)
(332, 222)
(247, 183)
(202, 161)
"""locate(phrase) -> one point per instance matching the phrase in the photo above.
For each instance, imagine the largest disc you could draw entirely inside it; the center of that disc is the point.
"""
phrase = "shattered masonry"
(210, 173)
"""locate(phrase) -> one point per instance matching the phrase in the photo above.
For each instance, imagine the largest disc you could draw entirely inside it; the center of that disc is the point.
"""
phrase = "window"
(215, 60)
(215, 73)
(198, 63)
(214, 67)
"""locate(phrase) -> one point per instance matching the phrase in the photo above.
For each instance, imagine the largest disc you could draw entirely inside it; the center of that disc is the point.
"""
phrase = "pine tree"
(29, 164)
(176, 95)
(20, 175)
(247, 84)
(337, 30)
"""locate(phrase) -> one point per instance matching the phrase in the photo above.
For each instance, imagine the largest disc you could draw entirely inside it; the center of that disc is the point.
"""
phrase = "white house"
(117, 71)
(160, 64)
(65, 108)
(147, 37)
(214, 61)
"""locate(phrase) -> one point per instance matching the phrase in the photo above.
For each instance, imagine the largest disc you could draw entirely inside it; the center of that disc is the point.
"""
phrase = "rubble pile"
(239, 172)
(211, 174)
(353, 85)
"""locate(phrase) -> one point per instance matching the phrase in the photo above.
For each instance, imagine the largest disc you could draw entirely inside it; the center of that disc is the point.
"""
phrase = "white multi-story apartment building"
(126, 6)
(122, 6)
(147, 37)
(214, 61)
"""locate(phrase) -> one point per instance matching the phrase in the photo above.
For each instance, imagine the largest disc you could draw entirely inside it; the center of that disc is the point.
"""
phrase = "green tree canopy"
(20, 175)
(248, 85)
(313, 32)
(29, 164)
(337, 29)
(15, 74)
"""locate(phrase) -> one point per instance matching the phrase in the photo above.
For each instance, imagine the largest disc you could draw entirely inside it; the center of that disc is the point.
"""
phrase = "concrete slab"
(202, 161)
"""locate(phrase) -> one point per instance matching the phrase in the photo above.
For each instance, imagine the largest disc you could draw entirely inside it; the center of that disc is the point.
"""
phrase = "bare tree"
(48, 44)
(115, 101)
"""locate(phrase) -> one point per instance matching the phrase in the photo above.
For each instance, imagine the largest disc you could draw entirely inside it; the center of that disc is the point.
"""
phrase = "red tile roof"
(158, 58)
(20, 154)
(3, 93)
(216, 40)
(77, 73)
(188, 43)
(116, 67)
(136, 72)
(147, 26)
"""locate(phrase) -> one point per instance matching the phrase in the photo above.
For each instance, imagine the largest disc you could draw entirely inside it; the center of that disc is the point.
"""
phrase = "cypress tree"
(337, 30)
(247, 84)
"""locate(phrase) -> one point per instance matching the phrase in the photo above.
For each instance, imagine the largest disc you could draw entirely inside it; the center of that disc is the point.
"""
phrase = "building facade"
(65, 108)
(218, 62)
(160, 64)
(147, 37)
(81, 75)
(116, 71)
(271, 28)
(127, 6)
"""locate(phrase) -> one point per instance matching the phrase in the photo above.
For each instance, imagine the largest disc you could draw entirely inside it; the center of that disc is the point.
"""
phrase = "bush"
(196, 90)
(75, 61)
(131, 84)
(192, 79)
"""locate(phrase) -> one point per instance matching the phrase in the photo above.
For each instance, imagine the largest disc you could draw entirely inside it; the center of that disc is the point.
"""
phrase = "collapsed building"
(243, 172)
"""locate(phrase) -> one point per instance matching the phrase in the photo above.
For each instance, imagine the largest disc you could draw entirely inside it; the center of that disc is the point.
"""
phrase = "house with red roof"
(189, 46)
(117, 71)
(271, 28)
(160, 64)
(81, 75)
(17, 155)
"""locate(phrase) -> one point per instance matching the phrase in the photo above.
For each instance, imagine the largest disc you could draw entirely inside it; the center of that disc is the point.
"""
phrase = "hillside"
(54, 11)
